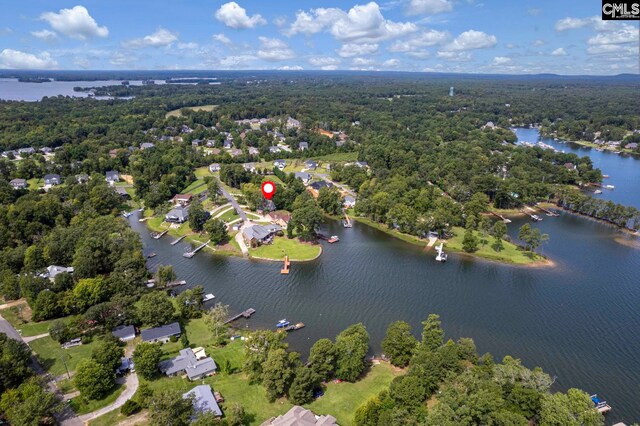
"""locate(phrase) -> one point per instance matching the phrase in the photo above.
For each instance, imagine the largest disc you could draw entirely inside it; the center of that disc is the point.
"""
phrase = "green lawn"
(65, 386)
(339, 156)
(283, 246)
(341, 399)
(196, 187)
(201, 172)
(412, 239)
(26, 328)
(35, 183)
(178, 112)
(51, 355)
(83, 406)
(229, 216)
(111, 418)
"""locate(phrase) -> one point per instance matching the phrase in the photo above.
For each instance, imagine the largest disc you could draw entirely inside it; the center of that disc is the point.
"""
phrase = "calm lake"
(578, 321)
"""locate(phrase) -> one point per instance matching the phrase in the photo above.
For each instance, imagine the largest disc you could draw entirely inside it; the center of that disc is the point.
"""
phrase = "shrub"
(130, 407)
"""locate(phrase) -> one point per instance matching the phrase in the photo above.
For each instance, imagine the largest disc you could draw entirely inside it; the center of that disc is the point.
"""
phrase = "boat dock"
(245, 314)
(192, 253)
(176, 283)
(160, 235)
(548, 212)
(347, 222)
(504, 219)
(176, 241)
(601, 405)
(533, 217)
(285, 267)
(298, 326)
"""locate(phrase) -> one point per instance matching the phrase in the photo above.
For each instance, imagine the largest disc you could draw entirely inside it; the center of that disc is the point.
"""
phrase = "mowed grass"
(24, 326)
(339, 156)
(202, 172)
(341, 399)
(178, 112)
(81, 405)
(195, 187)
(283, 246)
(51, 355)
(35, 183)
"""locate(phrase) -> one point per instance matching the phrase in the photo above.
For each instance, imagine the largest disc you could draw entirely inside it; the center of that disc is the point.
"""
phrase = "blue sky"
(490, 36)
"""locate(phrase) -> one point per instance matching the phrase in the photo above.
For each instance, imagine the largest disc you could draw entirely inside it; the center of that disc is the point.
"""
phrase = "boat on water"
(442, 256)
(347, 224)
(597, 191)
(609, 186)
(282, 323)
(126, 214)
(605, 176)
(150, 255)
(601, 405)
(207, 297)
(536, 218)
(333, 239)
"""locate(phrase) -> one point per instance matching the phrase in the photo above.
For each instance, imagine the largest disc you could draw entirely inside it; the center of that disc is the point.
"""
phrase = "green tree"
(155, 309)
(15, 358)
(108, 352)
(165, 274)
(9, 285)
(407, 391)
(484, 226)
(215, 320)
(278, 372)
(169, 408)
(322, 358)
(574, 408)
(305, 220)
(367, 414)
(305, 382)
(197, 215)
(432, 333)
(217, 231)
(190, 302)
(146, 358)
(235, 415)
(30, 404)
(89, 292)
(256, 349)
(470, 241)
(352, 345)
(92, 379)
(46, 306)
(330, 201)
(399, 344)
(213, 187)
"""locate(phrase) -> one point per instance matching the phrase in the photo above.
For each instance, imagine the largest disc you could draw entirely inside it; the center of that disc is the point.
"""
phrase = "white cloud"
(624, 34)
(291, 68)
(45, 35)
(424, 39)
(471, 39)
(362, 62)
(273, 49)
(329, 67)
(75, 23)
(559, 52)
(323, 61)
(83, 63)
(235, 61)
(162, 37)
(222, 39)
(188, 46)
(572, 23)
(15, 59)
(349, 50)
(121, 59)
(454, 56)
(362, 23)
(501, 60)
(391, 63)
(235, 16)
(429, 7)
(539, 43)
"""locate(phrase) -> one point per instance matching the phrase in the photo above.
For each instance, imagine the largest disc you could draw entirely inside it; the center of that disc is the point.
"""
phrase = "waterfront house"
(9, 154)
(260, 234)
(281, 164)
(303, 176)
(161, 334)
(349, 201)
(181, 199)
(361, 164)
(26, 151)
(303, 146)
(274, 149)
(52, 179)
(124, 332)
(19, 183)
(187, 363)
(310, 165)
(203, 401)
(632, 145)
(215, 167)
(179, 214)
(146, 145)
(298, 416)
(53, 271)
(112, 177)
(292, 123)
(280, 218)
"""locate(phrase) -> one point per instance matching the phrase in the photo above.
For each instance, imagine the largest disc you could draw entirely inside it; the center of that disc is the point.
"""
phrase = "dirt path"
(32, 338)
(12, 304)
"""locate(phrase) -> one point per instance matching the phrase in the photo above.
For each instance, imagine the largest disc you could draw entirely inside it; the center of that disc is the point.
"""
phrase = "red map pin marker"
(268, 189)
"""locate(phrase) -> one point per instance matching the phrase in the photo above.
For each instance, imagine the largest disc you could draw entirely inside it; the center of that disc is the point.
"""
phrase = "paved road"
(344, 188)
(7, 328)
(234, 203)
(131, 383)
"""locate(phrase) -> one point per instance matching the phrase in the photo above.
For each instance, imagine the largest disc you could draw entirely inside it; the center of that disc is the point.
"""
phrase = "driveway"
(344, 188)
(234, 203)
(7, 328)
(131, 383)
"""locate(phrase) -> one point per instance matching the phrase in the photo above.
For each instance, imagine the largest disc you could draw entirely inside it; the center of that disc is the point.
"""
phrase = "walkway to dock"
(192, 253)
(160, 235)
(174, 242)
(245, 314)
(233, 202)
(285, 267)
(504, 219)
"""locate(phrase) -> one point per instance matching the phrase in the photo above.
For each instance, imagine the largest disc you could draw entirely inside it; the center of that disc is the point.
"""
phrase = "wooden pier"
(533, 217)
(176, 283)
(504, 219)
(298, 326)
(176, 241)
(285, 267)
(245, 314)
(548, 212)
(160, 235)
(192, 253)
(347, 222)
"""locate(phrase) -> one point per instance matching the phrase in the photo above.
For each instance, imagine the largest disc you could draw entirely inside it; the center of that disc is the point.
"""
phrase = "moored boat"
(333, 239)
(282, 323)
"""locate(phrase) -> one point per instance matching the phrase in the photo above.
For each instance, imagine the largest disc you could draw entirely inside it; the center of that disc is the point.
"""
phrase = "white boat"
(536, 218)
(597, 191)
(208, 297)
(442, 256)
(609, 186)
(282, 323)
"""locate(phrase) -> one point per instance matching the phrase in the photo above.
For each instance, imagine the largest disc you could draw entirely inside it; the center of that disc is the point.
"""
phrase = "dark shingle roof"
(155, 333)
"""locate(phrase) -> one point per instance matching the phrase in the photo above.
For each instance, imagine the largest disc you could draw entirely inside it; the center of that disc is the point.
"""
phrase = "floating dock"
(176, 241)
(192, 253)
(601, 405)
(533, 217)
(295, 327)
(285, 267)
(160, 235)
(176, 284)
(245, 314)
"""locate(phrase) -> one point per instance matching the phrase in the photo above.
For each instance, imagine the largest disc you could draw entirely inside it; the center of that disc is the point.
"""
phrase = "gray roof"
(303, 144)
(276, 162)
(53, 271)
(349, 199)
(203, 400)
(188, 363)
(274, 149)
(260, 232)
(321, 184)
(18, 182)
(311, 163)
(178, 213)
(163, 331)
(52, 177)
(303, 175)
(298, 416)
(146, 145)
(124, 331)
(113, 175)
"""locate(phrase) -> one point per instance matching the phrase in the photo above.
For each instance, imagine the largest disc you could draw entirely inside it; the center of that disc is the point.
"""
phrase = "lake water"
(578, 321)
(13, 90)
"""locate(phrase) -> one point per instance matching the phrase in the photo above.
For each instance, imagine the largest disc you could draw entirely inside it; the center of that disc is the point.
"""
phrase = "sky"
(471, 36)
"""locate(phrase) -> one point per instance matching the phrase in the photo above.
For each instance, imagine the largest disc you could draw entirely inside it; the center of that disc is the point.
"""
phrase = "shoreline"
(267, 259)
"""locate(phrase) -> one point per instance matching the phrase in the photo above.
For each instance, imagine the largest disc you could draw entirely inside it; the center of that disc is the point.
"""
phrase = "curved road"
(131, 386)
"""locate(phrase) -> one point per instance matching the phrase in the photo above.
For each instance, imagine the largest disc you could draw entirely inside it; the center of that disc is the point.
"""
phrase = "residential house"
(113, 153)
(26, 151)
(250, 167)
(53, 271)
(281, 164)
(254, 151)
(215, 167)
(292, 123)
(211, 143)
(181, 199)
(146, 145)
(279, 137)
(348, 201)
(215, 151)
(187, 363)
(632, 145)
(304, 177)
(186, 129)
(196, 142)
(310, 165)
(9, 154)
(339, 143)
(122, 192)
(570, 166)
(361, 164)
(112, 177)
(303, 146)
(321, 184)
(280, 218)
(227, 144)
(82, 178)
(203, 401)
(45, 150)
(19, 183)
(235, 152)
(126, 365)
(490, 125)
(52, 179)
(179, 214)
(161, 334)
(298, 416)
(274, 149)
(260, 234)
(124, 332)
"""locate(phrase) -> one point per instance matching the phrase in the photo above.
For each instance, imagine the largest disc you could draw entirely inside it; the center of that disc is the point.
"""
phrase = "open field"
(25, 327)
(282, 246)
(53, 357)
(339, 156)
(178, 112)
